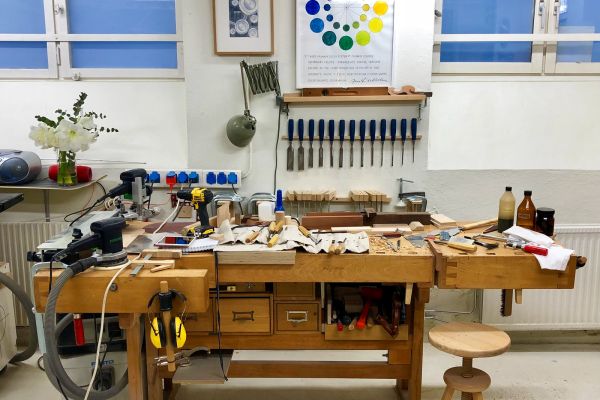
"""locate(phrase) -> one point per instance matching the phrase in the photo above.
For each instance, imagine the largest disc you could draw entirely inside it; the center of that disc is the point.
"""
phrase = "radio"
(18, 167)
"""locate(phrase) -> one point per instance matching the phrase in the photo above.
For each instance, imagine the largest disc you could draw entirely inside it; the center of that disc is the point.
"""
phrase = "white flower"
(87, 123)
(43, 135)
(73, 137)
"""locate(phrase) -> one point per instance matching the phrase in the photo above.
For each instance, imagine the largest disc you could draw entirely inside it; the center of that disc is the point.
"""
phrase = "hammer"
(369, 294)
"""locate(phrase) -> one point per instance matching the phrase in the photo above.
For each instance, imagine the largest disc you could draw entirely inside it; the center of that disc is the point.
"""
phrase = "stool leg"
(477, 396)
(448, 393)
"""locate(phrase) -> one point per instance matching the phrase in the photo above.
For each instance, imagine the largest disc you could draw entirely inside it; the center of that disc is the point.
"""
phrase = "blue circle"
(312, 7)
(317, 25)
(330, 18)
(327, 7)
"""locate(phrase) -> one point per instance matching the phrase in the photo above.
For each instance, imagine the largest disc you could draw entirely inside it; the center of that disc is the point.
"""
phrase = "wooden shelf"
(297, 98)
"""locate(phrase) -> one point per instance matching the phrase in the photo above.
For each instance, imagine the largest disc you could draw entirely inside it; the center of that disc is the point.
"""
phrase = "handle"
(393, 129)
(321, 130)
(311, 130)
(403, 127)
(243, 316)
(383, 129)
(372, 129)
(296, 320)
(479, 224)
(291, 130)
(556, 15)
(413, 129)
(363, 130)
(352, 130)
(331, 130)
(462, 246)
(300, 130)
(542, 13)
(342, 129)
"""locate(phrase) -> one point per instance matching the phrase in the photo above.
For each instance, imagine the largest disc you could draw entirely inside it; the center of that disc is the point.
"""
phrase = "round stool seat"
(479, 382)
(469, 340)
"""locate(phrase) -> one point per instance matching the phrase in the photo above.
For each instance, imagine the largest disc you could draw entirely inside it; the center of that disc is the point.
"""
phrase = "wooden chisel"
(342, 132)
(372, 134)
(321, 138)
(352, 137)
(300, 149)
(331, 139)
(290, 149)
(311, 138)
(362, 136)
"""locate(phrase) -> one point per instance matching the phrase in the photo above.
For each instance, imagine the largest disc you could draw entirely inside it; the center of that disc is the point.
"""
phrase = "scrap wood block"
(441, 221)
(416, 226)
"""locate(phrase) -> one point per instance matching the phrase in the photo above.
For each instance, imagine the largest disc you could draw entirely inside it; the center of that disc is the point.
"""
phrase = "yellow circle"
(366, 7)
(363, 38)
(380, 7)
(363, 17)
(376, 25)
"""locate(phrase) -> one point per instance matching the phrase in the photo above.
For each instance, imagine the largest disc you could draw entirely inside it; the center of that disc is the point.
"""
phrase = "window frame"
(58, 40)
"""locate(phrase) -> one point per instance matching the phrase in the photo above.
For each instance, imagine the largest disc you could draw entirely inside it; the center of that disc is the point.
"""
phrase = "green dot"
(363, 38)
(355, 24)
(346, 28)
(336, 25)
(346, 43)
(329, 38)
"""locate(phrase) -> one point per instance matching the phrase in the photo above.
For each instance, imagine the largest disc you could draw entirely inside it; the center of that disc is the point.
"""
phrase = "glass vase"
(67, 169)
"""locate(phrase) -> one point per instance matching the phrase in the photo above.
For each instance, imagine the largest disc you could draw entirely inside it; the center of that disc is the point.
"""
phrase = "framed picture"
(243, 27)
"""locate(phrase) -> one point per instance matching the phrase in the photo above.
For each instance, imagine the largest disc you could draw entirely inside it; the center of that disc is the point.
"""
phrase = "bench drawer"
(297, 317)
(245, 315)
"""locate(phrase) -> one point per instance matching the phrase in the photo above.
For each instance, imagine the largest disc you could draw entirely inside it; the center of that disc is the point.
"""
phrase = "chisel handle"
(311, 130)
(300, 130)
(413, 129)
(342, 129)
(373, 130)
(362, 130)
(393, 129)
(352, 131)
(382, 129)
(321, 130)
(252, 237)
(291, 130)
(331, 131)
(304, 231)
(273, 241)
(403, 129)
(479, 224)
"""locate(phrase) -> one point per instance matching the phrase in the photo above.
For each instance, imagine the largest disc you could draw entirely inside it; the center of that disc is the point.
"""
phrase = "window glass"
(23, 55)
(124, 55)
(22, 16)
(487, 17)
(122, 16)
(579, 16)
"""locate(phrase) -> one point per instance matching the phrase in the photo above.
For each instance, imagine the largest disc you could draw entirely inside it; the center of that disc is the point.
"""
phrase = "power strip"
(209, 178)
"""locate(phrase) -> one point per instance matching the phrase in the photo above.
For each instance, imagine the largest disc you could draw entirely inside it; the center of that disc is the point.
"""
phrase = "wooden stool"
(469, 341)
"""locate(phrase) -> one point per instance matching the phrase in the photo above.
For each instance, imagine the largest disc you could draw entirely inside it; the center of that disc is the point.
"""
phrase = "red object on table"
(78, 330)
(84, 173)
(541, 251)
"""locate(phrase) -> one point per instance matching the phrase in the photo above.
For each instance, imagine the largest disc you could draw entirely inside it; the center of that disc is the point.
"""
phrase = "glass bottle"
(526, 212)
(506, 210)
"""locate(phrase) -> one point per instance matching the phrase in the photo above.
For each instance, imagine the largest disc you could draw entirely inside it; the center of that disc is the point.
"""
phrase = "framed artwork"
(243, 27)
(344, 43)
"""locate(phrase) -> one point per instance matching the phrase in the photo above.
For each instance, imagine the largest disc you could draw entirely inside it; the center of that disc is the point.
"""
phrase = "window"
(91, 39)
(517, 36)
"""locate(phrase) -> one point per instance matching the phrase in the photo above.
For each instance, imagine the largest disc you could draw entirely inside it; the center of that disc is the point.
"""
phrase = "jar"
(544, 221)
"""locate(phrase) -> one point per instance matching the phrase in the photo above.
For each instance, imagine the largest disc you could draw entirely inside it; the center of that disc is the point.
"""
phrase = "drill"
(199, 198)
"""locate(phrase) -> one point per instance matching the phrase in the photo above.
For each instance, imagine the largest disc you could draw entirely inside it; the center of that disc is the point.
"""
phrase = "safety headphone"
(158, 333)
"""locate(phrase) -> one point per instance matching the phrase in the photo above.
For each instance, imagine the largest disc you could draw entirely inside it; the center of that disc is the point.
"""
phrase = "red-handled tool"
(369, 294)
(78, 330)
(529, 248)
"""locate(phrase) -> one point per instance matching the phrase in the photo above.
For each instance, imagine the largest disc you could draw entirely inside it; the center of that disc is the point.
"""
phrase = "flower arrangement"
(68, 134)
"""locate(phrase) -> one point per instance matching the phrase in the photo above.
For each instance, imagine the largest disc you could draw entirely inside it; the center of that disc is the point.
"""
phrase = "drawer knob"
(296, 317)
(243, 315)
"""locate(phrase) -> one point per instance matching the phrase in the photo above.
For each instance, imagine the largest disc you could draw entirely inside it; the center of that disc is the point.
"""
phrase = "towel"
(557, 258)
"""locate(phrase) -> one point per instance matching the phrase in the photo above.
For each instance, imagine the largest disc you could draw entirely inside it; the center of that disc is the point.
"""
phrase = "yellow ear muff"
(156, 333)
(178, 333)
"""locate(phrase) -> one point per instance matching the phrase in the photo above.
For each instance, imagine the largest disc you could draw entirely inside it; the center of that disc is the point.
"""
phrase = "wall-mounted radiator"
(16, 239)
(557, 309)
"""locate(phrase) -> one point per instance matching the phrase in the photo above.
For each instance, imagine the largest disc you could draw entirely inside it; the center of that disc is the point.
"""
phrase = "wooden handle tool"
(462, 246)
(253, 236)
(273, 240)
(479, 224)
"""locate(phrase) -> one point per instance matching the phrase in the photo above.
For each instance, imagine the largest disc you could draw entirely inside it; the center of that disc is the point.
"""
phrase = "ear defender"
(158, 335)
(178, 333)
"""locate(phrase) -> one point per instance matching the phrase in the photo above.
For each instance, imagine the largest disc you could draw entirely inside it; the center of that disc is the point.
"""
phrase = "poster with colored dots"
(344, 43)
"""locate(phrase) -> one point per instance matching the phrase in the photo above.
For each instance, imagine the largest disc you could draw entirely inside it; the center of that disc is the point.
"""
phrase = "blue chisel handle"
(311, 130)
(352, 130)
(363, 130)
(321, 130)
(413, 129)
(382, 130)
(393, 129)
(403, 126)
(300, 130)
(373, 129)
(291, 130)
(342, 129)
(331, 130)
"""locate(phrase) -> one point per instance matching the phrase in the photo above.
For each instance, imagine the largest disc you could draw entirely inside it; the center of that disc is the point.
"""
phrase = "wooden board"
(374, 333)
(298, 98)
(330, 221)
(84, 292)
(287, 257)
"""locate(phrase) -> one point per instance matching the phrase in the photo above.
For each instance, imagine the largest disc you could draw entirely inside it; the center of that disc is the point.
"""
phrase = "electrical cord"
(277, 146)
(216, 254)
(175, 211)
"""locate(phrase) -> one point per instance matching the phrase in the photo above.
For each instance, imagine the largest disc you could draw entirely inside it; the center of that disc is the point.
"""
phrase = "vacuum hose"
(54, 368)
(28, 306)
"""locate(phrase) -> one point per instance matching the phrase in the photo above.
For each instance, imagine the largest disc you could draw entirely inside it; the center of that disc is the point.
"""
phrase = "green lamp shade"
(241, 129)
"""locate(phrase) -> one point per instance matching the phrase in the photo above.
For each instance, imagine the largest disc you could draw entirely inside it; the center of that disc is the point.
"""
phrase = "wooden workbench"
(417, 269)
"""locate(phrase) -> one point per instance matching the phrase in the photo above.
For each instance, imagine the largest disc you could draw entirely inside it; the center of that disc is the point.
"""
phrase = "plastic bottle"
(506, 210)
(526, 212)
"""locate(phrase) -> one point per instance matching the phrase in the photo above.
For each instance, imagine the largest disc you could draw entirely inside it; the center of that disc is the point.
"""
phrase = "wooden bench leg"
(155, 390)
(418, 323)
(131, 324)
(448, 393)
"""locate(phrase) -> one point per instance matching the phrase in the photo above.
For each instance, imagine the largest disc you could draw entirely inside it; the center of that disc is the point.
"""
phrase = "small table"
(7, 200)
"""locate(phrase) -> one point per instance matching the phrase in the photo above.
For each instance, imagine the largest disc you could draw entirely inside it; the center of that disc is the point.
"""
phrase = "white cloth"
(529, 236)
(557, 258)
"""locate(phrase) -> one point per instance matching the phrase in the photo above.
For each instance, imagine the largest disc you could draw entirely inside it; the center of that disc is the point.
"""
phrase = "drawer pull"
(296, 317)
(243, 315)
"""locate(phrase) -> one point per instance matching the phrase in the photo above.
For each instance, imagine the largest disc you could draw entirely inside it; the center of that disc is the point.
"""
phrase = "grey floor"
(527, 372)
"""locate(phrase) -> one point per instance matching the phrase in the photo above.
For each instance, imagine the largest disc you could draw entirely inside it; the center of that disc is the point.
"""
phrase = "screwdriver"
(331, 139)
(403, 126)
(300, 148)
(413, 135)
(382, 131)
(372, 133)
(362, 135)
(342, 132)
(321, 138)
(393, 128)
(290, 149)
(352, 137)
(311, 137)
